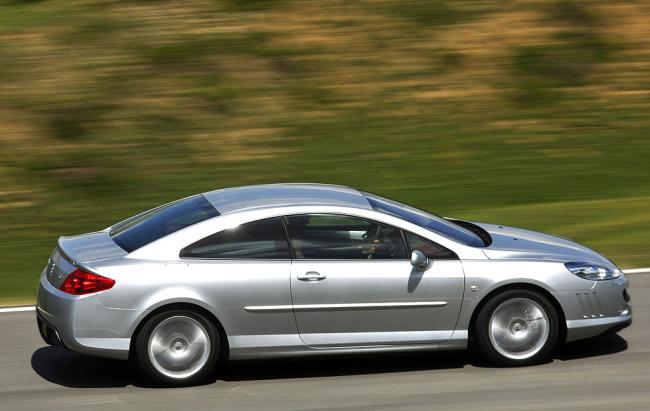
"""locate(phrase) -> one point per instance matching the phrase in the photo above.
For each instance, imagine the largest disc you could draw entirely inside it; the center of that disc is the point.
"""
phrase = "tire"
(177, 348)
(516, 328)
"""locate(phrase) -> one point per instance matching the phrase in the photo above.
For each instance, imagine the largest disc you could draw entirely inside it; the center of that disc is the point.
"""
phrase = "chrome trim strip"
(260, 308)
(317, 307)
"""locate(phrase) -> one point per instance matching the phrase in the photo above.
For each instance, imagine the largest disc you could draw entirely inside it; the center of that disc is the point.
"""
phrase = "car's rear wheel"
(177, 348)
(517, 327)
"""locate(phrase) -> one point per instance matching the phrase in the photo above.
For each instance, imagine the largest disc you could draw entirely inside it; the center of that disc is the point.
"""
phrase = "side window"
(337, 237)
(147, 227)
(429, 248)
(263, 239)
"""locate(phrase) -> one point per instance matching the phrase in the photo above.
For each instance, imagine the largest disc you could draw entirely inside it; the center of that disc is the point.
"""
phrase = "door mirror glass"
(419, 261)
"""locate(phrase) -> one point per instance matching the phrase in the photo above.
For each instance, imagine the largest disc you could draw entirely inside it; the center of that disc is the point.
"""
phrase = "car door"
(352, 284)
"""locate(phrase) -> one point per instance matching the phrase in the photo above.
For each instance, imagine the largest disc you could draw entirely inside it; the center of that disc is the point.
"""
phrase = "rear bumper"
(49, 334)
(83, 324)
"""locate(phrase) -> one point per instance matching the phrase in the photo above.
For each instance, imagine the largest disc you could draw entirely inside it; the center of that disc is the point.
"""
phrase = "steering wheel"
(371, 247)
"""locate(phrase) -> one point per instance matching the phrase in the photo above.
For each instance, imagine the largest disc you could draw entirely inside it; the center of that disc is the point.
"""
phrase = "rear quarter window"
(262, 239)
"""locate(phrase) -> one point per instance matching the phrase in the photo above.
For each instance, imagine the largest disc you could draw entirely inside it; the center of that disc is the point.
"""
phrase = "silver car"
(309, 269)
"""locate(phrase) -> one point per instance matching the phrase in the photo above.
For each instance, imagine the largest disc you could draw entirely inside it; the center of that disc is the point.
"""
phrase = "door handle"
(311, 276)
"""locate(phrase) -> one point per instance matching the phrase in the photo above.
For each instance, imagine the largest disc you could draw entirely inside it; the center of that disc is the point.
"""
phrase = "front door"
(352, 284)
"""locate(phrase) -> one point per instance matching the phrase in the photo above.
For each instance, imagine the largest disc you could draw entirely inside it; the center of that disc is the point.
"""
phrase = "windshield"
(151, 225)
(423, 219)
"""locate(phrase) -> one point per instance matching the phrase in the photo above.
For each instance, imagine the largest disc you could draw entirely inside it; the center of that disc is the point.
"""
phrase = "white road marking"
(637, 271)
(32, 307)
(17, 309)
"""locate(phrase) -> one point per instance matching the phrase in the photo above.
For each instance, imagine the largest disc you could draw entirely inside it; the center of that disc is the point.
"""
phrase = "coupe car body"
(304, 269)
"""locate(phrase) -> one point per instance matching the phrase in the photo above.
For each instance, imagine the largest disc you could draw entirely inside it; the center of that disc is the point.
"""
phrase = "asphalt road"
(607, 373)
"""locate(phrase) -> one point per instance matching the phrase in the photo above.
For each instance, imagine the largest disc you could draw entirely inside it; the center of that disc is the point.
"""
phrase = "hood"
(91, 247)
(511, 242)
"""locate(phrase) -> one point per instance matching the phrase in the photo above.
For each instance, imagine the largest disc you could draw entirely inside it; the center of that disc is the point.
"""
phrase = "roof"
(231, 200)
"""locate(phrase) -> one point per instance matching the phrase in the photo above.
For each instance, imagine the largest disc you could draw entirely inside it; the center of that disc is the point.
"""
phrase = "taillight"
(81, 282)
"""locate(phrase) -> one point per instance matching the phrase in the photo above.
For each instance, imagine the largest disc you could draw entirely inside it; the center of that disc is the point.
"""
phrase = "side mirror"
(419, 261)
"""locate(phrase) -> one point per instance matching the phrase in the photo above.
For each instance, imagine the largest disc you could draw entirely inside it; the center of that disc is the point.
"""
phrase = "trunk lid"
(80, 251)
(91, 247)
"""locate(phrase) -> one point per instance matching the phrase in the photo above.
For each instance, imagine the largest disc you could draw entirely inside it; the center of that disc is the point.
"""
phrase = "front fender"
(482, 278)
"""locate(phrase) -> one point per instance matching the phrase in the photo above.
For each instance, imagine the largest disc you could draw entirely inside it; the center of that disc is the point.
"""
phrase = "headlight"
(593, 272)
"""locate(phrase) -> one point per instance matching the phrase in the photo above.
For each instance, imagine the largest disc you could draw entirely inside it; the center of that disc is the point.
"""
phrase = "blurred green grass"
(532, 114)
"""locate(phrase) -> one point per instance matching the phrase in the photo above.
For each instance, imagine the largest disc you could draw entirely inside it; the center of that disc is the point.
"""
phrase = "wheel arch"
(520, 286)
(210, 316)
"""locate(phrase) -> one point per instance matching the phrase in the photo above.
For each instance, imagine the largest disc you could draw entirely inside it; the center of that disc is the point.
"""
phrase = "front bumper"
(604, 308)
(83, 323)
(592, 327)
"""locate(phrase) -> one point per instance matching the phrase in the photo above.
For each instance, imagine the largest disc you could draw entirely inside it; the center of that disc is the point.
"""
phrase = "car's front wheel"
(517, 327)
(177, 348)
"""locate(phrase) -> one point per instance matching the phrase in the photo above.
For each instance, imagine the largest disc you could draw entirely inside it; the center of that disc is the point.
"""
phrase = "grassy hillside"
(530, 113)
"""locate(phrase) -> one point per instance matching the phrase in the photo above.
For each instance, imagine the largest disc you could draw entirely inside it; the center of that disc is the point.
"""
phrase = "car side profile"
(310, 269)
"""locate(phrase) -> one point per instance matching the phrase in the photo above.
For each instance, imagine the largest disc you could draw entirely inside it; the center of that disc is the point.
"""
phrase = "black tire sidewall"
(144, 362)
(481, 329)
